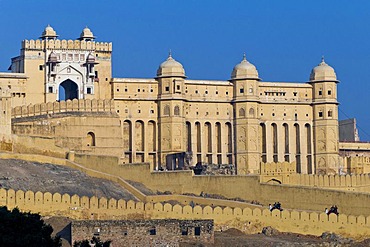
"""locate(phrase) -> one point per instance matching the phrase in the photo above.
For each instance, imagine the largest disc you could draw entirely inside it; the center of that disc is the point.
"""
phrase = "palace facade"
(243, 121)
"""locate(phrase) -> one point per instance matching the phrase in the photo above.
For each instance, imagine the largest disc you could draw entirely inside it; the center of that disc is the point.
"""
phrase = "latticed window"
(176, 110)
(166, 110)
(241, 112)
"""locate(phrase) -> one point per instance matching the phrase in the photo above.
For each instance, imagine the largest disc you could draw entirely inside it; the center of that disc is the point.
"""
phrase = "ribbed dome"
(244, 70)
(53, 58)
(49, 33)
(170, 67)
(86, 34)
(323, 72)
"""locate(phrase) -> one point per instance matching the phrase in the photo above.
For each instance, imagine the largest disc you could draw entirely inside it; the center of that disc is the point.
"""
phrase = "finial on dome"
(170, 53)
(244, 70)
(171, 67)
(322, 61)
(323, 72)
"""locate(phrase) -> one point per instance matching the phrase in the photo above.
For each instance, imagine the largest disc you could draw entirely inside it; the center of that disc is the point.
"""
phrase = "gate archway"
(68, 90)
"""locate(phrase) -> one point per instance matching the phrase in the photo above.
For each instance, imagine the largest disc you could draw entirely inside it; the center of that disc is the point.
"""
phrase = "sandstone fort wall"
(245, 219)
(355, 205)
(285, 173)
(243, 187)
(76, 105)
(246, 188)
(165, 232)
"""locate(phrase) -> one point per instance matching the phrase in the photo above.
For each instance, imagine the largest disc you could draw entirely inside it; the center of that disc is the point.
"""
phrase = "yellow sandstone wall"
(244, 187)
(245, 219)
(82, 105)
(88, 126)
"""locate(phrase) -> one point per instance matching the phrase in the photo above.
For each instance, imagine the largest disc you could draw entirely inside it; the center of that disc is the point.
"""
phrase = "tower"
(64, 69)
(5, 120)
(245, 81)
(325, 121)
(170, 76)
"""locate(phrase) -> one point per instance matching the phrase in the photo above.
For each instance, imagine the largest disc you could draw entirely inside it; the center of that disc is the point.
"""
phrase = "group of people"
(333, 210)
(276, 205)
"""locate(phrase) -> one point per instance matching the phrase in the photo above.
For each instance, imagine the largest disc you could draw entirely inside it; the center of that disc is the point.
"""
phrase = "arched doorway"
(68, 90)
(90, 139)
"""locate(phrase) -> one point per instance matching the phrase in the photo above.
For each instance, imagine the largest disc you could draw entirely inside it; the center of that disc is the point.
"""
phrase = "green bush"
(25, 229)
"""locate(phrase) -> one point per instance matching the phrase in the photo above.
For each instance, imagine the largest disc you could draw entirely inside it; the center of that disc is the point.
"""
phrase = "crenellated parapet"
(76, 105)
(359, 182)
(67, 45)
(278, 168)
(77, 207)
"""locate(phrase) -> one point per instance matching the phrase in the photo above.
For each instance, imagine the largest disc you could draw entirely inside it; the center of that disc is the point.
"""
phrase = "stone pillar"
(269, 143)
(292, 142)
(281, 141)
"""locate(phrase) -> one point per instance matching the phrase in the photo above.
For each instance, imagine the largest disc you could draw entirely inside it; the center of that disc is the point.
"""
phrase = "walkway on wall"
(225, 213)
(183, 199)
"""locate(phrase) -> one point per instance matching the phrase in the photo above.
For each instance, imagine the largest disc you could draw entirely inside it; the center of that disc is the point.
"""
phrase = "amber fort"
(61, 105)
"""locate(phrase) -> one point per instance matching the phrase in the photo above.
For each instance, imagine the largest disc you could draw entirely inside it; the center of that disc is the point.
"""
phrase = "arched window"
(251, 112)
(241, 112)
(90, 139)
(166, 110)
(176, 110)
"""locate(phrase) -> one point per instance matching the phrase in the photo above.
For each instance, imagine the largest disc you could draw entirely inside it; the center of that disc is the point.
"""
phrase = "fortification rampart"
(357, 164)
(279, 168)
(76, 105)
(245, 219)
(360, 182)
(182, 199)
(67, 45)
(246, 188)
(285, 173)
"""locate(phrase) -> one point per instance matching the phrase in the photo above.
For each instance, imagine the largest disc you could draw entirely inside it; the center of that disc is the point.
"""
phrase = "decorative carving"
(166, 137)
(253, 145)
(322, 162)
(241, 112)
(321, 145)
(251, 112)
(322, 133)
(242, 143)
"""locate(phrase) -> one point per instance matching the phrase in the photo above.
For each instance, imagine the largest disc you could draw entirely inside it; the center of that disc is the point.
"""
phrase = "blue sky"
(284, 39)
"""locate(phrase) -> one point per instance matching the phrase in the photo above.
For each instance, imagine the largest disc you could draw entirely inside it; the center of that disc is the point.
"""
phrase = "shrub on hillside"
(19, 229)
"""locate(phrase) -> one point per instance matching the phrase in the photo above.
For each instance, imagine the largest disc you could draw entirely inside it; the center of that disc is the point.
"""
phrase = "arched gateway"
(68, 89)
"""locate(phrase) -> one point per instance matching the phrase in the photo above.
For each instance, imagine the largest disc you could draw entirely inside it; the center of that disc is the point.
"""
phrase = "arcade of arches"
(212, 142)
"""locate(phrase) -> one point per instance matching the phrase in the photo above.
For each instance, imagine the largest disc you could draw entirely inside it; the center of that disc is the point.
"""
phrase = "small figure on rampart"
(276, 205)
(333, 210)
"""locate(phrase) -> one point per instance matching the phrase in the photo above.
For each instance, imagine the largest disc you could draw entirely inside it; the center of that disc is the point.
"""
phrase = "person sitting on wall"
(277, 205)
(333, 210)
